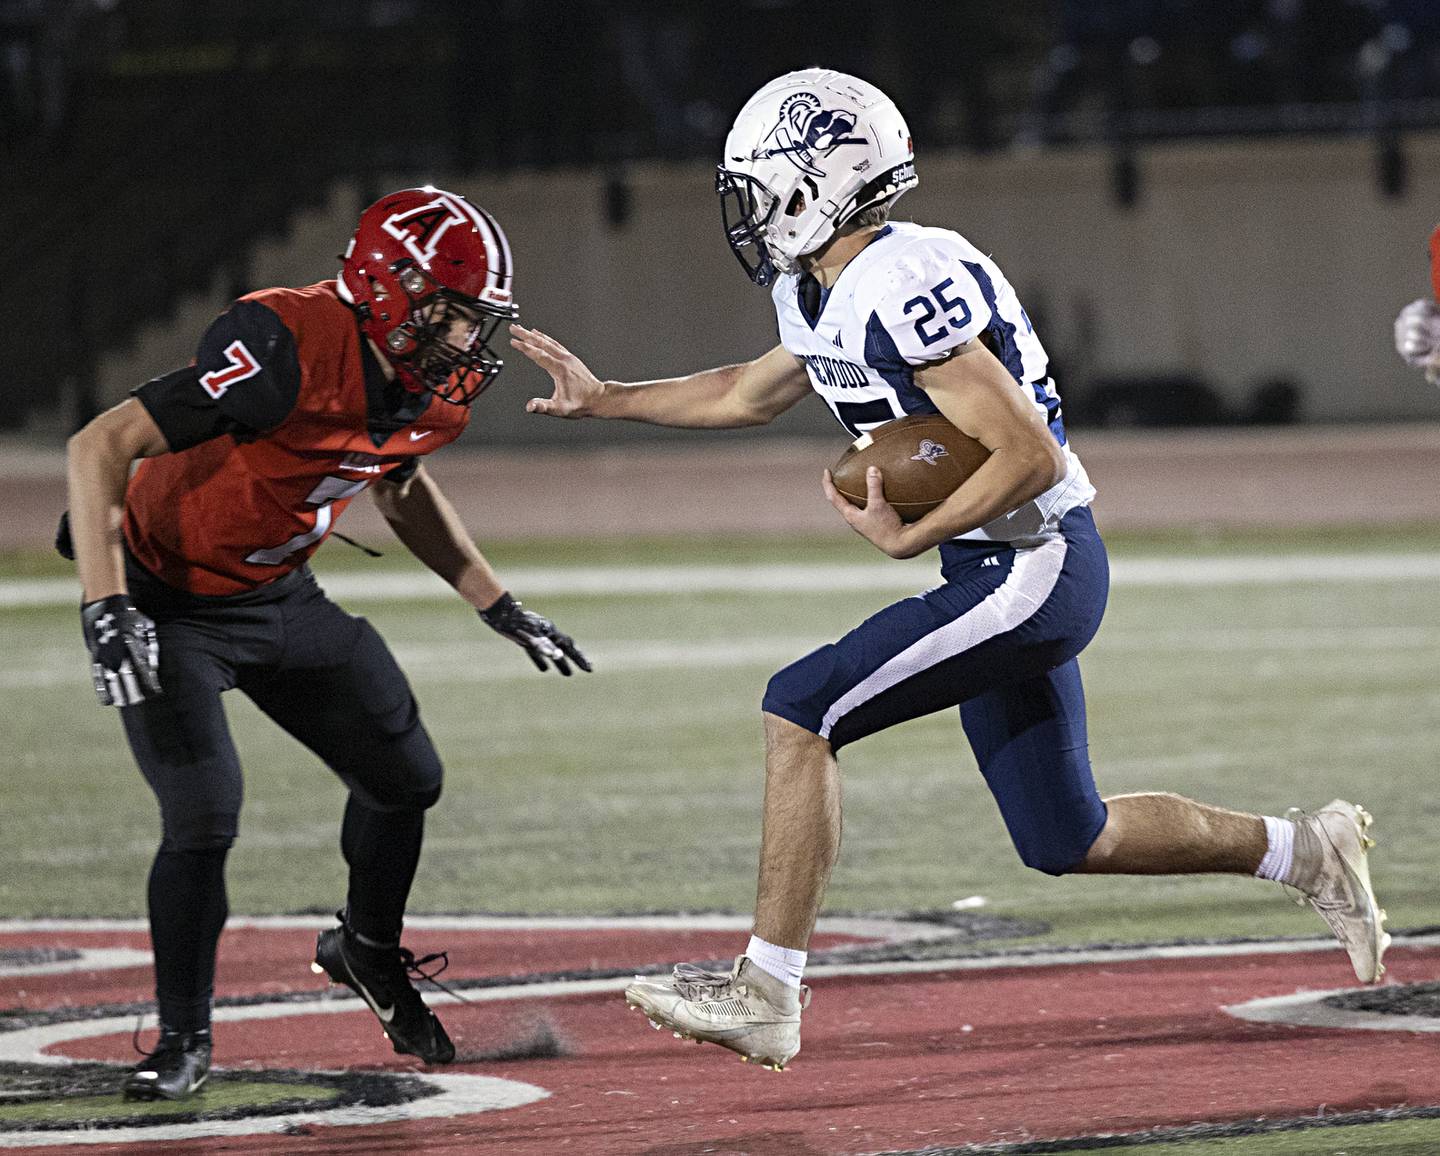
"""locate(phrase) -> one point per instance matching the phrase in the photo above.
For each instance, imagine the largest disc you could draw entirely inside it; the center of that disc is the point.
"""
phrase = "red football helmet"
(420, 260)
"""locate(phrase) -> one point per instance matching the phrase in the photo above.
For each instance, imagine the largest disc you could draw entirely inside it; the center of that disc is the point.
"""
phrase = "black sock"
(187, 913)
(383, 850)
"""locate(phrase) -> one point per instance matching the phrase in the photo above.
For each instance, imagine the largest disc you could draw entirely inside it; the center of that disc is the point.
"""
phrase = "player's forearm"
(98, 470)
(705, 400)
(1013, 475)
(425, 521)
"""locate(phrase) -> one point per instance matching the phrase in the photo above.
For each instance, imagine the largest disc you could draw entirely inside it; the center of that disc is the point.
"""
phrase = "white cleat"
(745, 1009)
(1344, 896)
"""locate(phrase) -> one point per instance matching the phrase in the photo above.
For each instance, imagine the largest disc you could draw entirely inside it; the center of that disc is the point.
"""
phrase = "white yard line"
(818, 577)
(470, 661)
(89, 959)
(467, 660)
(866, 927)
(1307, 1009)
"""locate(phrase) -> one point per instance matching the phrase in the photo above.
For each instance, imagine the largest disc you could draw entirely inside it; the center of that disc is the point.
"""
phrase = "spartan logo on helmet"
(420, 229)
(807, 131)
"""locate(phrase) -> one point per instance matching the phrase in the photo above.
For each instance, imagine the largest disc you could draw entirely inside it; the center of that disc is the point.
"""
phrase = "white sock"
(1280, 854)
(785, 964)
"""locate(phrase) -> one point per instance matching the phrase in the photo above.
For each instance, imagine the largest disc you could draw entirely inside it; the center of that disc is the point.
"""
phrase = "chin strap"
(364, 549)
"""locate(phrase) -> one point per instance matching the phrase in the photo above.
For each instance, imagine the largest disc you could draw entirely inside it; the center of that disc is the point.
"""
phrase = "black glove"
(535, 634)
(125, 655)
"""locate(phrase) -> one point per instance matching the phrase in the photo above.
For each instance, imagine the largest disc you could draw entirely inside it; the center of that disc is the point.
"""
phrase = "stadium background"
(1212, 212)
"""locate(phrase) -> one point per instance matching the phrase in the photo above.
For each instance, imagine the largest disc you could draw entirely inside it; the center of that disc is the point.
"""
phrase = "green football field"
(638, 788)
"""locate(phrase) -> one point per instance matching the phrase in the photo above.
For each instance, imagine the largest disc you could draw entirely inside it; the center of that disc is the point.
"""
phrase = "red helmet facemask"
(421, 261)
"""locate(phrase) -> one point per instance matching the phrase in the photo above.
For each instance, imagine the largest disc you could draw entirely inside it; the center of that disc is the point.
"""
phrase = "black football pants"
(325, 677)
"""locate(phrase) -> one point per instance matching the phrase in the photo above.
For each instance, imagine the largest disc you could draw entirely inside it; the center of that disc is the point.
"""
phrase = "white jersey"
(910, 297)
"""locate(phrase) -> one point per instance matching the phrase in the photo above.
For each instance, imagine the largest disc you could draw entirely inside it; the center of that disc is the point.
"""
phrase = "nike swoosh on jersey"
(417, 434)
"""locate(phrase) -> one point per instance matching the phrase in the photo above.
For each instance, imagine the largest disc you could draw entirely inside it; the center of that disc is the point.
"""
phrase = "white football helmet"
(808, 152)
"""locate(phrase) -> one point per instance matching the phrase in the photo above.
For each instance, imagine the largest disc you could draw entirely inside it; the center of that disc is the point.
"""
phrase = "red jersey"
(277, 426)
(1435, 262)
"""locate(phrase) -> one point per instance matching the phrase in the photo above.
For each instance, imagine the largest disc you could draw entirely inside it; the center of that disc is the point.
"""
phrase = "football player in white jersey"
(883, 320)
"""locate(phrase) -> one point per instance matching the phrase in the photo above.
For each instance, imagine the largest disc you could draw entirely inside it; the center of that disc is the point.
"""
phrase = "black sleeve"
(245, 380)
(184, 412)
(248, 366)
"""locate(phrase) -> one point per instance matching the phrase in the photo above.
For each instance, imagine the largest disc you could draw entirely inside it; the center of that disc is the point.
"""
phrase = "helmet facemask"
(421, 346)
(748, 209)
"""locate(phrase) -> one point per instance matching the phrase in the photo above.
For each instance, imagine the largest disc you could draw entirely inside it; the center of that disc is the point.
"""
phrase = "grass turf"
(218, 1096)
(638, 787)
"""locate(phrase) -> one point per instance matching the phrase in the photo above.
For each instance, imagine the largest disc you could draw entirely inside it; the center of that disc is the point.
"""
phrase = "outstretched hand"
(535, 634)
(878, 522)
(576, 388)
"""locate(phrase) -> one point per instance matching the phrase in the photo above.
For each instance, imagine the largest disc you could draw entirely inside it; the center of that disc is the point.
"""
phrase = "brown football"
(922, 459)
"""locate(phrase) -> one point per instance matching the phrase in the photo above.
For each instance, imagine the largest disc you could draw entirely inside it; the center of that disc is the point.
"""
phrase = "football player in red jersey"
(298, 400)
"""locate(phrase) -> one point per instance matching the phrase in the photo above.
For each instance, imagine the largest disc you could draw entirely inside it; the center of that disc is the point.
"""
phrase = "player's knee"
(413, 784)
(205, 832)
(427, 798)
(798, 693)
(1063, 850)
(399, 796)
(1051, 858)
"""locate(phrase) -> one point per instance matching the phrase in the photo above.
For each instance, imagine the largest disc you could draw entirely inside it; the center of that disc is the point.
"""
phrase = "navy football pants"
(999, 639)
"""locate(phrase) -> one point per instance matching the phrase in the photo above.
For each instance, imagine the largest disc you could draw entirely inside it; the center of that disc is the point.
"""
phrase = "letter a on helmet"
(420, 260)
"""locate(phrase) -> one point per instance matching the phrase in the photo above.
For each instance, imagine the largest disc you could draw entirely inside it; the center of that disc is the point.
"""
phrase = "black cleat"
(381, 977)
(175, 1070)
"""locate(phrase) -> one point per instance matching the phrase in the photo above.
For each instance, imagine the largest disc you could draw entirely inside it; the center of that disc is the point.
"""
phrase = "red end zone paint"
(1053, 1051)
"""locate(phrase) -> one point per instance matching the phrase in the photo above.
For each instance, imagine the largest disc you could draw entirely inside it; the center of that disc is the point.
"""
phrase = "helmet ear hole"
(796, 205)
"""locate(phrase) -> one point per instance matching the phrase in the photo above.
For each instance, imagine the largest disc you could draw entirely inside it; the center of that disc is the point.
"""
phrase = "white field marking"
(863, 927)
(89, 959)
(1306, 1009)
(474, 659)
(464, 1095)
(469, 661)
(446, 661)
(459, 1096)
(1304, 639)
(818, 577)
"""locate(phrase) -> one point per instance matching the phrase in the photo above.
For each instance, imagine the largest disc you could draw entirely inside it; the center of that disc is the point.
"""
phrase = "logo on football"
(914, 482)
(930, 453)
